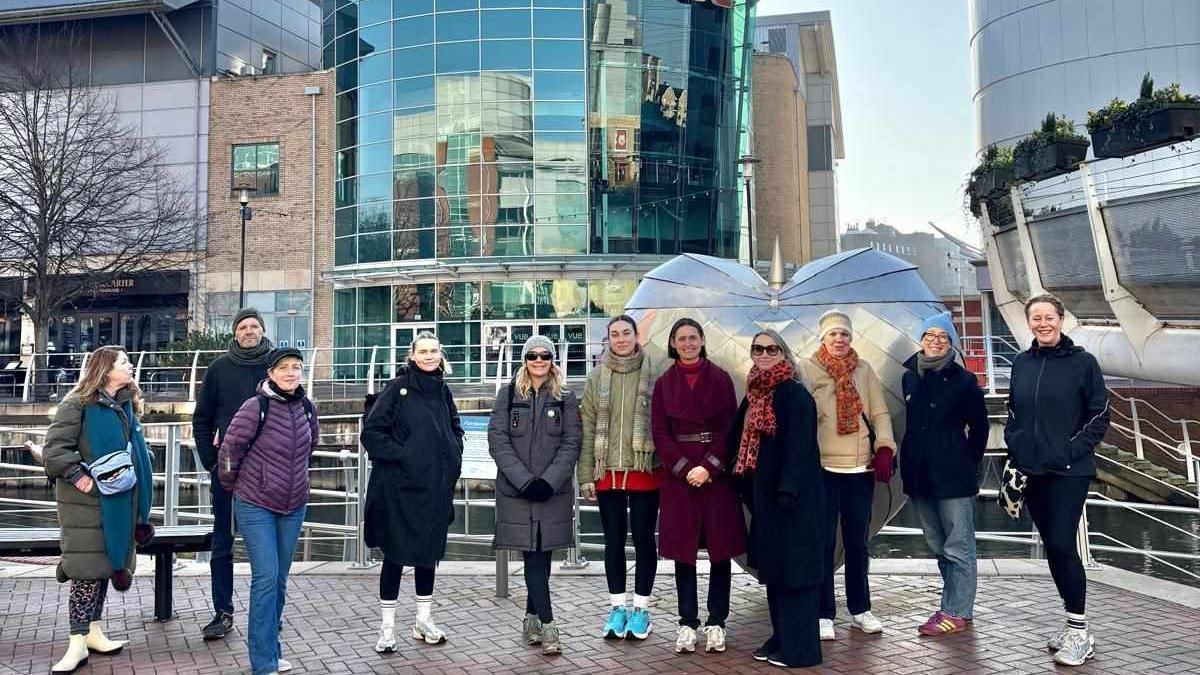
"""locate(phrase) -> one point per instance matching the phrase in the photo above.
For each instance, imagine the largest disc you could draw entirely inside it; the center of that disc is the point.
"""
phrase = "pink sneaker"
(942, 624)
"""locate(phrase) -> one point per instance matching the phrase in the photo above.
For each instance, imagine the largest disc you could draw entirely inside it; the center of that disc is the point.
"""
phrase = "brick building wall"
(781, 198)
(279, 238)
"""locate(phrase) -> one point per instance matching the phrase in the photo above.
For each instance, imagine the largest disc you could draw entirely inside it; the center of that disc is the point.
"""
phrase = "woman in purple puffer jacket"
(263, 461)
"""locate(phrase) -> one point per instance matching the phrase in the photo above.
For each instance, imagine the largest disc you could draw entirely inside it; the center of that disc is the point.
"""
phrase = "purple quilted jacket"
(273, 473)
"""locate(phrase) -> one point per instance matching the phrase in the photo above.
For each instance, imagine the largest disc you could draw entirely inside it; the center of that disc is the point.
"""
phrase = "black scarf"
(254, 356)
(294, 395)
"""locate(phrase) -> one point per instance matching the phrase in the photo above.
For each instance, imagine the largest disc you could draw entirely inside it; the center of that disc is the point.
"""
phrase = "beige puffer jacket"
(850, 451)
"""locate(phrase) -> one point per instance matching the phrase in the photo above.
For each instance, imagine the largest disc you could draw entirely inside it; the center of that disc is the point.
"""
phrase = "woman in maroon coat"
(691, 412)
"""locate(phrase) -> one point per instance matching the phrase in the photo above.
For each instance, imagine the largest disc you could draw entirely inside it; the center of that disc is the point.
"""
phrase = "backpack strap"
(264, 404)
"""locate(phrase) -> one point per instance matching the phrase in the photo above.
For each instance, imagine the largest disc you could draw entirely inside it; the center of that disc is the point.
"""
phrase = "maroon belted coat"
(713, 509)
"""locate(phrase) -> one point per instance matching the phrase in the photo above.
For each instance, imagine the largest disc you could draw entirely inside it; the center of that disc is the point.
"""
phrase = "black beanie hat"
(280, 353)
(247, 313)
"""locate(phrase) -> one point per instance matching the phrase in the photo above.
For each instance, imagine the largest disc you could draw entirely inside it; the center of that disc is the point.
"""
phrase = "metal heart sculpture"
(884, 296)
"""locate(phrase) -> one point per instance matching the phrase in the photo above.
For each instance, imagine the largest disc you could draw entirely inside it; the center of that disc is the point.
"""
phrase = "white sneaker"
(714, 639)
(866, 622)
(826, 627)
(685, 642)
(387, 639)
(1077, 647)
(283, 666)
(425, 629)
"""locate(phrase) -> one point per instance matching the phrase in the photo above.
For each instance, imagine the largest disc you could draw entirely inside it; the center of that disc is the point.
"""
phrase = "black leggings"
(1056, 504)
(537, 584)
(85, 603)
(720, 578)
(643, 514)
(389, 580)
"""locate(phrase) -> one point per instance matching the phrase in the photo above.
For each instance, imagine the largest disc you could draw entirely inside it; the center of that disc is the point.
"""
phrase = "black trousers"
(537, 584)
(1056, 504)
(391, 573)
(720, 578)
(641, 517)
(796, 638)
(848, 495)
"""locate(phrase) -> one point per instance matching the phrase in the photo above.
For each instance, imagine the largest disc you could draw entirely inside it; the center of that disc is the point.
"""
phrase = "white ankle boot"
(77, 655)
(97, 642)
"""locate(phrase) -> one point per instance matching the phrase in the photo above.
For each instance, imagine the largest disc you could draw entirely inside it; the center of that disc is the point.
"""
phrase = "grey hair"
(783, 346)
(429, 335)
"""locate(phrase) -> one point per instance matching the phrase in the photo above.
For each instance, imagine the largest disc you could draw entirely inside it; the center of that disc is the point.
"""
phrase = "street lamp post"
(748, 162)
(247, 214)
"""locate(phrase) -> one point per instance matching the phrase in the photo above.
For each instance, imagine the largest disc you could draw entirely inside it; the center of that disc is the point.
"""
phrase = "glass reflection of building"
(512, 166)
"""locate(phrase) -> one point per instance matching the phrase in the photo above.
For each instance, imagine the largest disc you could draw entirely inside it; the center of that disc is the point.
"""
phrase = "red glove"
(883, 465)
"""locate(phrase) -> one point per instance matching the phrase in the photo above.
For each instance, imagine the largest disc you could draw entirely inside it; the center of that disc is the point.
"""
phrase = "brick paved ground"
(331, 623)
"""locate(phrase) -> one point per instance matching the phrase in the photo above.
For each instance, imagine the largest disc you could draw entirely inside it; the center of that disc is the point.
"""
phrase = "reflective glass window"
(412, 302)
(510, 116)
(415, 183)
(558, 85)
(458, 89)
(375, 158)
(347, 163)
(506, 23)
(559, 172)
(411, 153)
(560, 117)
(346, 192)
(562, 299)
(414, 122)
(375, 247)
(376, 187)
(504, 3)
(375, 98)
(412, 61)
(508, 86)
(346, 48)
(346, 18)
(459, 180)
(447, 5)
(567, 4)
(416, 214)
(377, 38)
(257, 167)
(565, 208)
(554, 23)
(347, 79)
(401, 8)
(506, 55)
(509, 299)
(345, 251)
(457, 56)
(374, 304)
(411, 32)
(343, 307)
(457, 26)
(558, 54)
(459, 242)
(374, 68)
(345, 222)
(559, 147)
(458, 119)
(373, 11)
(560, 239)
(413, 245)
(375, 217)
(347, 105)
(458, 301)
(412, 92)
(374, 128)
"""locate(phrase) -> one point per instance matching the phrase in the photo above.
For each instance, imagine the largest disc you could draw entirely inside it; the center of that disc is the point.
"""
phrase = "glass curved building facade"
(507, 167)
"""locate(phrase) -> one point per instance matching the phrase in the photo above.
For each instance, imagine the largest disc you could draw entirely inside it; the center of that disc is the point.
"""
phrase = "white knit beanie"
(835, 319)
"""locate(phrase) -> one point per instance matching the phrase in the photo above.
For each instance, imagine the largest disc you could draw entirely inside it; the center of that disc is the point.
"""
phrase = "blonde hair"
(523, 384)
(783, 347)
(95, 377)
(429, 335)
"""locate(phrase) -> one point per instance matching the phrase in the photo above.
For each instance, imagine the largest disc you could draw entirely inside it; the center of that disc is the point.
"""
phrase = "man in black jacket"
(944, 440)
(231, 379)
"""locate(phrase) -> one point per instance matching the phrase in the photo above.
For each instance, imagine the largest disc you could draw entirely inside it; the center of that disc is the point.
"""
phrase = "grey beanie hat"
(247, 313)
(536, 341)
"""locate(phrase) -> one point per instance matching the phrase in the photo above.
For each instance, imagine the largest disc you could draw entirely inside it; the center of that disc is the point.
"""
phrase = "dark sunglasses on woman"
(769, 350)
(534, 356)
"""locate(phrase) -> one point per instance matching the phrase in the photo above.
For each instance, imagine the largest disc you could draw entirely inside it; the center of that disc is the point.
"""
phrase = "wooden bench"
(168, 540)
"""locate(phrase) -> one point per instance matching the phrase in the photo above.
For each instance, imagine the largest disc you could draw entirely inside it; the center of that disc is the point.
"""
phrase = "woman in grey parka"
(534, 436)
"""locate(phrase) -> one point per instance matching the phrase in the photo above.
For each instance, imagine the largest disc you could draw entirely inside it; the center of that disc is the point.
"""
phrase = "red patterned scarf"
(760, 416)
(849, 404)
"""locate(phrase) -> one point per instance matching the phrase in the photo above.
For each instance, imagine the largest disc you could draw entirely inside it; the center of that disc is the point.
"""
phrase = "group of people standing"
(802, 453)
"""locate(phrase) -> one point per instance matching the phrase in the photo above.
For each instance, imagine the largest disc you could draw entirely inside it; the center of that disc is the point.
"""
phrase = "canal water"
(1131, 529)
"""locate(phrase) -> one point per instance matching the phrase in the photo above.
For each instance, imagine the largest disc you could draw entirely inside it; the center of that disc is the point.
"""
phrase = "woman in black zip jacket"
(1057, 414)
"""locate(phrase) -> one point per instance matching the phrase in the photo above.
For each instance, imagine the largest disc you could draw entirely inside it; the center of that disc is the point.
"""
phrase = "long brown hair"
(95, 377)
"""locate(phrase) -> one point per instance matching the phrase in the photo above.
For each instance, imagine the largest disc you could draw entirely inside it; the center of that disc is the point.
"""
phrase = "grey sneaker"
(1055, 643)
(531, 630)
(550, 643)
(1077, 647)
(714, 639)
(685, 641)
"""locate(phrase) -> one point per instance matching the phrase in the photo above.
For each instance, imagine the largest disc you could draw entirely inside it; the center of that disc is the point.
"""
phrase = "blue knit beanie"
(942, 321)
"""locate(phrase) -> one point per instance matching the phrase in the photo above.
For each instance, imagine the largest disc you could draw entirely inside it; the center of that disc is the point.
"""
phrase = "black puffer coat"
(785, 493)
(414, 439)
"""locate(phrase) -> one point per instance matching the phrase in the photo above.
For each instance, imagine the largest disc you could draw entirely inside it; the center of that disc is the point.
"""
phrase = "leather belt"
(702, 437)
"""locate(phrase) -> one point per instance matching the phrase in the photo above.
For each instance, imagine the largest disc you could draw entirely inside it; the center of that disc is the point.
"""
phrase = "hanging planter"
(1158, 118)
(991, 178)
(1053, 150)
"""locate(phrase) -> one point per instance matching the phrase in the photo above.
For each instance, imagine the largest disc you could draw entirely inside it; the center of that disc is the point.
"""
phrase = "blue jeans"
(220, 565)
(950, 532)
(270, 543)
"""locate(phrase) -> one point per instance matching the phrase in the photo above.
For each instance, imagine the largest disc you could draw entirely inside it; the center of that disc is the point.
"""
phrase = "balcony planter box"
(1048, 161)
(1166, 126)
(992, 183)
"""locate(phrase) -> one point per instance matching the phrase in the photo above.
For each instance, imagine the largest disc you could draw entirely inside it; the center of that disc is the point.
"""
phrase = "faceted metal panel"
(883, 295)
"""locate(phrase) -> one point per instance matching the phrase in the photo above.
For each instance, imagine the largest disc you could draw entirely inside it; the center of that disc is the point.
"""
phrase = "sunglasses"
(769, 350)
(534, 356)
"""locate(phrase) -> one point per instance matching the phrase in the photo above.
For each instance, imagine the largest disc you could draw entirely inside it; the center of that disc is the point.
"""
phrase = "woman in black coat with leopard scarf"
(414, 439)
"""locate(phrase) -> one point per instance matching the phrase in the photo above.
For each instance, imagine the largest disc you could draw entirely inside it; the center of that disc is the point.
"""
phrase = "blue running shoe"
(614, 628)
(640, 624)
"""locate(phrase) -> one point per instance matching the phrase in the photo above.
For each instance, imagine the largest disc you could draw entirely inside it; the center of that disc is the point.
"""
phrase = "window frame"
(256, 171)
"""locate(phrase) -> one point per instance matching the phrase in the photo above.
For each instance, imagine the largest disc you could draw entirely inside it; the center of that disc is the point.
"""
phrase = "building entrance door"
(499, 340)
(572, 336)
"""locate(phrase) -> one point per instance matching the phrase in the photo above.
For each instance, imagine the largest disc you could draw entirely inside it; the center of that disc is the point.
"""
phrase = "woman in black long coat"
(414, 439)
(775, 433)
